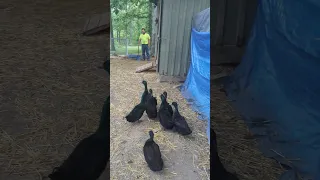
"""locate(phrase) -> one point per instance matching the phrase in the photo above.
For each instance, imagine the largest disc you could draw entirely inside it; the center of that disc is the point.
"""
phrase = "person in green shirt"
(144, 39)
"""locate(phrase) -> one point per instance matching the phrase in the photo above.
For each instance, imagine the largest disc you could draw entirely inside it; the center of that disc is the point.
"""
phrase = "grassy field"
(121, 50)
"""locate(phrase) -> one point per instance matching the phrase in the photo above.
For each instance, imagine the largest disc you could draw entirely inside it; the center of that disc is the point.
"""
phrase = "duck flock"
(170, 119)
(90, 157)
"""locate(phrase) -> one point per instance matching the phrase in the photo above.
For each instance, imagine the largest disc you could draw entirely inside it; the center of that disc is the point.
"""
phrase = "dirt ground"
(184, 157)
(51, 89)
(239, 154)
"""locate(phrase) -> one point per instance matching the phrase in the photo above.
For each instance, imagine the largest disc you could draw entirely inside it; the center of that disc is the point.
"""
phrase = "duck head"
(145, 86)
(150, 91)
(151, 134)
(175, 104)
(165, 94)
(144, 82)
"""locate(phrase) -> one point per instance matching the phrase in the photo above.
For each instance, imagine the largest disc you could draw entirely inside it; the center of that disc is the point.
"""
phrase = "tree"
(113, 48)
(128, 17)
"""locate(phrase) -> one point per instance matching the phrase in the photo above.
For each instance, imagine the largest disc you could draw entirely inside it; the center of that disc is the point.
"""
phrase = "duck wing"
(152, 101)
(87, 161)
(152, 108)
(165, 118)
(181, 125)
(136, 113)
(152, 156)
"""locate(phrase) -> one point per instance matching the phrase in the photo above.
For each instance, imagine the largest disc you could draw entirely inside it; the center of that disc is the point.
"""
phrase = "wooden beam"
(96, 24)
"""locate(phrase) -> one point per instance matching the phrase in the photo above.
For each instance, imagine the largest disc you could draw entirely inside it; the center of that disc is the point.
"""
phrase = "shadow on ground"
(51, 91)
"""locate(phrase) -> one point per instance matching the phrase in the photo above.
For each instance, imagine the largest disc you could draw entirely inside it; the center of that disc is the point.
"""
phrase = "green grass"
(131, 50)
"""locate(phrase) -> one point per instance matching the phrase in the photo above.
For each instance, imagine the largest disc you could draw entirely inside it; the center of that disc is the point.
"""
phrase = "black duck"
(152, 154)
(106, 65)
(145, 95)
(136, 112)
(180, 123)
(151, 106)
(139, 109)
(165, 116)
(219, 172)
(166, 102)
(88, 160)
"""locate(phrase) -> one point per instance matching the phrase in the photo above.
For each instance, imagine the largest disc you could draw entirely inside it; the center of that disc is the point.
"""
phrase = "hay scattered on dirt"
(184, 157)
(239, 154)
(51, 89)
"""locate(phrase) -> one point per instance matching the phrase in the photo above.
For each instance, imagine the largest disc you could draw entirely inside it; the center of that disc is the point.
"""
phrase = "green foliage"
(129, 16)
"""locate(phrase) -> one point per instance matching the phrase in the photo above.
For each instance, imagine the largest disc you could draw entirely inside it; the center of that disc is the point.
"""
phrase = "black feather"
(165, 94)
(136, 113)
(165, 116)
(180, 124)
(88, 160)
(152, 154)
(151, 106)
(145, 94)
(218, 171)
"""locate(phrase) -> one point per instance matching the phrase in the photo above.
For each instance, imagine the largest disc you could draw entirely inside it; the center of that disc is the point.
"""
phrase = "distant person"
(144, 39)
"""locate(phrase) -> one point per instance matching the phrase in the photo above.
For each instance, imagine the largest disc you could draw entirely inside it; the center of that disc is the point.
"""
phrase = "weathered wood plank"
(145, 67)
(97, 23)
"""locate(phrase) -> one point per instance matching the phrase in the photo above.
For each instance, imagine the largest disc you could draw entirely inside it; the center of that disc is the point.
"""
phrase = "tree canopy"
(130, 15)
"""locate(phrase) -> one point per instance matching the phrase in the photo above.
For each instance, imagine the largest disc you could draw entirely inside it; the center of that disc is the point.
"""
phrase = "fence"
(123, 46)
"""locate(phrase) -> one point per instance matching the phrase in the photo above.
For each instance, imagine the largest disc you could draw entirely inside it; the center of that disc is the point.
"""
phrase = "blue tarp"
(196, 88)
(134, 56)
(276, 87)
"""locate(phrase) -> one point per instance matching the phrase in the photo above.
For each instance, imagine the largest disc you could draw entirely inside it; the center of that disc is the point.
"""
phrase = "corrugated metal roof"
(176, 20)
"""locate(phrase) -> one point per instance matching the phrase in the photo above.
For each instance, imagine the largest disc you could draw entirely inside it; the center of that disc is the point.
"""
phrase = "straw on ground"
(184, 157)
